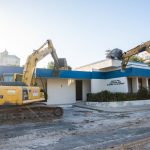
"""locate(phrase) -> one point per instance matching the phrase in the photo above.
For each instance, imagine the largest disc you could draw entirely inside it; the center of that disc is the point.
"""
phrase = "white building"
(135, 76)
(96, 77)
(71, 86)
(8, 60)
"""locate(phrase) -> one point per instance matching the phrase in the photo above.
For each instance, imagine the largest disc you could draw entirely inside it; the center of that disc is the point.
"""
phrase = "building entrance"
(79, 90)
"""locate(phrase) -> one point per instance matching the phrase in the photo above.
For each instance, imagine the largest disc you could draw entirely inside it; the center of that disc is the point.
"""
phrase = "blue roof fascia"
(75, 74)
(118, 73)
(47, 73)
(140, 72)
(128, 72)
(10, 69)
(98, 75)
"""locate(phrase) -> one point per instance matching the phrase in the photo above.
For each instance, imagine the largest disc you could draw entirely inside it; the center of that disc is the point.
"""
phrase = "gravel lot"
(78, 129)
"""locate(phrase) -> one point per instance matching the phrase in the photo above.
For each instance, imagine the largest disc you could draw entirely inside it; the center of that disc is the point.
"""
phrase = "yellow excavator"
(125, 57)
(136, 50)
(18, 99)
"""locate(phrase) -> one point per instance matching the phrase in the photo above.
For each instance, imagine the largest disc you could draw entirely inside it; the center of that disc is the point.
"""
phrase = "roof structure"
(47, 73)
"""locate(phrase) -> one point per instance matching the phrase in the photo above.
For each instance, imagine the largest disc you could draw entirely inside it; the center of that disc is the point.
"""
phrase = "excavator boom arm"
(35, 57)
(138, 49)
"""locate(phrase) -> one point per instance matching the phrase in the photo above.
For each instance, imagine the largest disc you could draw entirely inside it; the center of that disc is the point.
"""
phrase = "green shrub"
(142, 93)
(106, 96)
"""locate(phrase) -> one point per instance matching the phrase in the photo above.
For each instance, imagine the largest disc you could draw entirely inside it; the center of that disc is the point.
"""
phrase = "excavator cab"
(11, 77)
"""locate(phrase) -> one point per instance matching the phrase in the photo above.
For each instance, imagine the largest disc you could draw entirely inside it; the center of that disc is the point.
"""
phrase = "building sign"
(115, 82)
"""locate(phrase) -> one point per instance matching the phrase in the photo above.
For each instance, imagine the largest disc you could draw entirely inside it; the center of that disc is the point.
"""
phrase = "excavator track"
(30, 112)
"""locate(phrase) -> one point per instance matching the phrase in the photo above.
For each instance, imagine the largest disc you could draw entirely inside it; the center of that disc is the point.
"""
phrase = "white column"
(145, 82)
(135, 84)
(86, 88)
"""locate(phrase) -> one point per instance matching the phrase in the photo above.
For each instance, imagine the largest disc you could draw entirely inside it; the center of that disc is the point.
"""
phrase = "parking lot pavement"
(78, 129)
(97, 107)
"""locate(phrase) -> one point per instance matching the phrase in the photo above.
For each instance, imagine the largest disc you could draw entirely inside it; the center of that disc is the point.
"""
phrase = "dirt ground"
(80, 129)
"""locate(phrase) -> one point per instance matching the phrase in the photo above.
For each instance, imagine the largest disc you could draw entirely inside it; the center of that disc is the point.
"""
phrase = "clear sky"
(81, 30)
